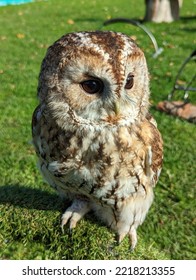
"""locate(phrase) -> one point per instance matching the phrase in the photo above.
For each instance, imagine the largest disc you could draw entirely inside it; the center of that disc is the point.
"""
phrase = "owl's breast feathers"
(110, 164)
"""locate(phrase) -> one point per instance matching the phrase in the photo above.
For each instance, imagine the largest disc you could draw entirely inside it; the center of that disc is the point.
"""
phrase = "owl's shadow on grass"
(30, 198)
(33, 198)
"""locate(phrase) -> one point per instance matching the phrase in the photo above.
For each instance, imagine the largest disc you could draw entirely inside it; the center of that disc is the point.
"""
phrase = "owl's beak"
(114, 117)
(116, 107)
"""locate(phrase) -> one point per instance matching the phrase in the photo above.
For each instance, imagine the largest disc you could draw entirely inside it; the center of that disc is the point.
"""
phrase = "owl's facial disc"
(99, 76)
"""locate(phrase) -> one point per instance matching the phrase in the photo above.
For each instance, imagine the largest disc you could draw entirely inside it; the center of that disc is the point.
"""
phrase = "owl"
(96, 142)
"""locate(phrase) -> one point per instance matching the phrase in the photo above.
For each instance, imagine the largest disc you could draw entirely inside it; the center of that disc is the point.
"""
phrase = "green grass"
(30, 211)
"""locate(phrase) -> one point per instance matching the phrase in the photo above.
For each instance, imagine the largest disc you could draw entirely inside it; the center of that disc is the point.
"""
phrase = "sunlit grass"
(30, 210)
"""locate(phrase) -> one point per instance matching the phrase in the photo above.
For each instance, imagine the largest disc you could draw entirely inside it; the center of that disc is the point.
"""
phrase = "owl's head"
(99, 77)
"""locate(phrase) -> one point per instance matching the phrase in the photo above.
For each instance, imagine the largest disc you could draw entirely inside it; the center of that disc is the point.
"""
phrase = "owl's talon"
(69, 230)
(73, 222)
(121, 237)
(62, 228)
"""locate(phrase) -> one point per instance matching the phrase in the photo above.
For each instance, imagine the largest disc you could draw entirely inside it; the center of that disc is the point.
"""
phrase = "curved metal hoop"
(188, 87)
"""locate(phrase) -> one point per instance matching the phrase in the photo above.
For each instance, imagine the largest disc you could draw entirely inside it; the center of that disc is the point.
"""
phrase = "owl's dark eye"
(130, 81)
(92, 86)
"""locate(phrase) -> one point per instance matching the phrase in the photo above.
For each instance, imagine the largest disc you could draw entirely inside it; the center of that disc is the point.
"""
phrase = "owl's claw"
(121, 237)
(74, 213)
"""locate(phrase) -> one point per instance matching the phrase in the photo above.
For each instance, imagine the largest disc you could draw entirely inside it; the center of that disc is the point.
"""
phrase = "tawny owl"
(96, 141)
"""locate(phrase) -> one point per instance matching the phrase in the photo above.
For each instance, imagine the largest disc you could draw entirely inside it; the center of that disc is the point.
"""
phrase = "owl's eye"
(92, 86)
(130, 81)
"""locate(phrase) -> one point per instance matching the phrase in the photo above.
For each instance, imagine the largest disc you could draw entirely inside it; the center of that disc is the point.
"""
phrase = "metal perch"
(188, 87)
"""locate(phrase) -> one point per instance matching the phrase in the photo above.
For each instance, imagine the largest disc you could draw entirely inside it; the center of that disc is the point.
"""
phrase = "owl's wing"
(154, 151)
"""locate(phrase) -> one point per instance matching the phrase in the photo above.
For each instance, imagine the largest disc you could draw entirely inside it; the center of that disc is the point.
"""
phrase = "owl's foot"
(74, 213)
(133, 237)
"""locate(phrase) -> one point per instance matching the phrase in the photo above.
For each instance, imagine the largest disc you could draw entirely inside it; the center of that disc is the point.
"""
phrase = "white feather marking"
(148, 162)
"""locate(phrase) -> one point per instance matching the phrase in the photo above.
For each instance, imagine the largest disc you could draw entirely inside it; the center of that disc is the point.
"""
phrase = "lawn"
(30, 211)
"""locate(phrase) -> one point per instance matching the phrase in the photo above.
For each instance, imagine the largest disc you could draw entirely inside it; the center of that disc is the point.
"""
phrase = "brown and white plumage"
(96, 141)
